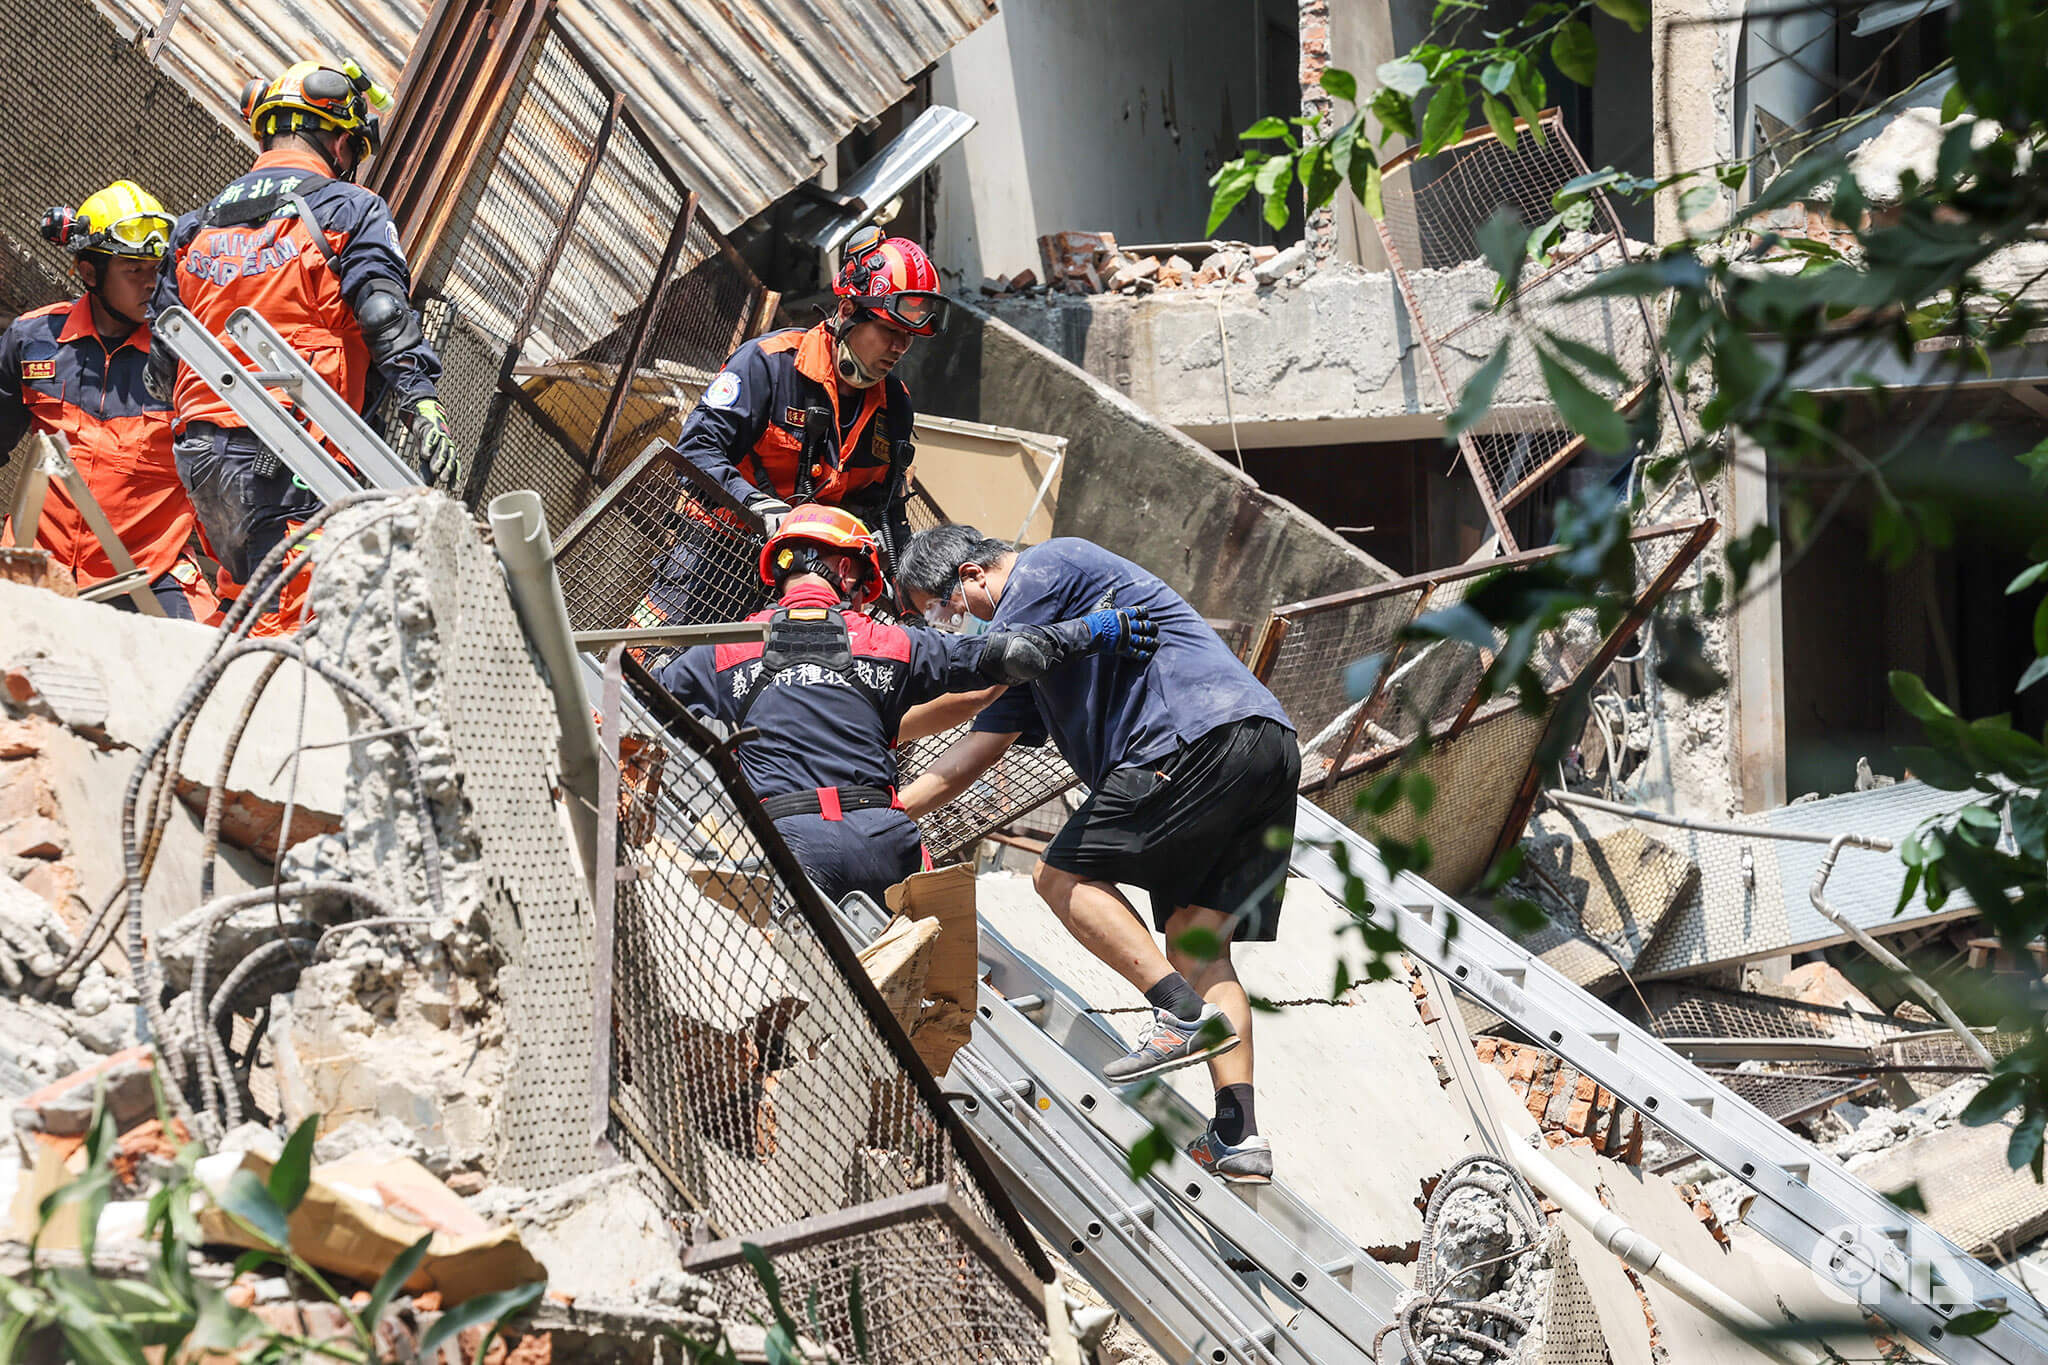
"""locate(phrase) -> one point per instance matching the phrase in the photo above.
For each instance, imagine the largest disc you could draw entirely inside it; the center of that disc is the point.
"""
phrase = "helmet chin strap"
(98, 291)
(852, 373)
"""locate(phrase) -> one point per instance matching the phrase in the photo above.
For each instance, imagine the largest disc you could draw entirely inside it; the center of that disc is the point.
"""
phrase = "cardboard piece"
(946, 896)
(347, 1225)
(899, 963)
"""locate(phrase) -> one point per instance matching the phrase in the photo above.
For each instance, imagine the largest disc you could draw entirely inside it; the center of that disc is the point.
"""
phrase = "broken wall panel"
(1754, 898)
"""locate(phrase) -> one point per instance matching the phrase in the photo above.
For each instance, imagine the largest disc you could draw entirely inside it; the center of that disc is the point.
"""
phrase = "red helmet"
(835, 528)
(891, 276)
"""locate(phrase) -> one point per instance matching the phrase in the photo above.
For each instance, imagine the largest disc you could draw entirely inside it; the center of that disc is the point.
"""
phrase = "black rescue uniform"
(828, 692)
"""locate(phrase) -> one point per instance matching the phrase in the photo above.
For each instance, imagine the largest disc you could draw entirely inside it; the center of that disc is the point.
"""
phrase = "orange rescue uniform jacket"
(57, 373)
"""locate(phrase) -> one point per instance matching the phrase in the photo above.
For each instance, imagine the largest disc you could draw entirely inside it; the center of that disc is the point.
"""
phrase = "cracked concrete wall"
(1331, 360)
(1135, 485)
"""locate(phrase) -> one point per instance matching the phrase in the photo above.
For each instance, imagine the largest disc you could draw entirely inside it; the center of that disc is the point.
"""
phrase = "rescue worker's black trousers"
(868, 850)
(244, 510)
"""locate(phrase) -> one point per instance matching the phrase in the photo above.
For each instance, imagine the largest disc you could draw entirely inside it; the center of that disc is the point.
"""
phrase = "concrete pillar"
(1758, 674)
(1693, 46)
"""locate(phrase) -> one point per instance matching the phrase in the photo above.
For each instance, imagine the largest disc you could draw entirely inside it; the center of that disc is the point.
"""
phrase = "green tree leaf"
(2000, 1094)
(1476, 398)
(1584, 411)
(491, 1308)
(247, 1200)
(1232, 183)
(1594, 362)
(1268, 127)
(1274, 180)
(2024, 1146)
(1148, 1151)
(1575, 52)
(1634, 13)
(1501, 121)
(293, 1172)
(1339, 84)
(1912, 694)
(1696, 201)
(393, 1279)
(1405, 77)
(1504, 242)
(1445, 121)
(1977, 1321)
(1395, 112)
(857, 1316)
(1497, 77)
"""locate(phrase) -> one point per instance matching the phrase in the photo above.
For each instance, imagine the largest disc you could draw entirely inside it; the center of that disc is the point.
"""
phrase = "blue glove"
(1128, 634)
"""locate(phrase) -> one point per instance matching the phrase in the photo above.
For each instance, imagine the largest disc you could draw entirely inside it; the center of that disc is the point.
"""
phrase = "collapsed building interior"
(557, 994)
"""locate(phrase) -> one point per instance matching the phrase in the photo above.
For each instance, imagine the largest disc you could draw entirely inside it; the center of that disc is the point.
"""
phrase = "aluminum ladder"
(1877, 1254)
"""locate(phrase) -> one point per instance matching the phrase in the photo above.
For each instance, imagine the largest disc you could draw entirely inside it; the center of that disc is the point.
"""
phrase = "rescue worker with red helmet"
(319, 257)
(799, 416)
(828, 690)
(75, 371)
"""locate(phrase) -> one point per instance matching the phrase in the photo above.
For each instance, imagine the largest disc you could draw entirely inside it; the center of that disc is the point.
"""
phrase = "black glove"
(1023, 654)
(440, 459)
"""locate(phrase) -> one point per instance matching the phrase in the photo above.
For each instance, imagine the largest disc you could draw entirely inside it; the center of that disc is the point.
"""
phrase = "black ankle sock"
(1234, 1118)
(1173, 994)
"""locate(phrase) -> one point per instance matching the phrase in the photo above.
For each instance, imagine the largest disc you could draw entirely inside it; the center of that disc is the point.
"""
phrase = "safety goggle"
(914, 310)
(147, 233)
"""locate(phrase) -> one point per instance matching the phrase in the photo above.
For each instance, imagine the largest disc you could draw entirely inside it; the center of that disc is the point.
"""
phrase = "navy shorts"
(1192, 828)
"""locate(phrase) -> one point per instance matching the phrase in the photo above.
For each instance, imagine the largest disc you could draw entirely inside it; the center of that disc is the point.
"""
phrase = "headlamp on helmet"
(121, 220)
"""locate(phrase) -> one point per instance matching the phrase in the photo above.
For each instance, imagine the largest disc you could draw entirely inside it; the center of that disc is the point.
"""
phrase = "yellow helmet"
(123, 219)
(315, 95)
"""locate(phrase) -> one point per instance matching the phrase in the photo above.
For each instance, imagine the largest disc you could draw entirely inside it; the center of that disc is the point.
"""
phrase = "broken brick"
(38, 836)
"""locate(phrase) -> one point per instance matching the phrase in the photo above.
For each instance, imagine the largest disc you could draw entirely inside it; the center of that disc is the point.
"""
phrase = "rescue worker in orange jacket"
(319, 257)
(812, 416)
(75, 371)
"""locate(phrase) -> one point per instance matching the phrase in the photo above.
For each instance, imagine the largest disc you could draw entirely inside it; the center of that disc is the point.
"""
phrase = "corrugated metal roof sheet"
(750, 95)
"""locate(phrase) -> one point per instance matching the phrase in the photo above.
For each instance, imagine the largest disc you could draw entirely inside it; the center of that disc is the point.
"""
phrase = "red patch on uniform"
(876, 640)
(38, 369)
(732, 656)
(792, 417)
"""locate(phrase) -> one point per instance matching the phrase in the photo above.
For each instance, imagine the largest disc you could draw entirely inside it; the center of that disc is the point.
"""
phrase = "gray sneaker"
(1173, 1042)
(1248, 1163)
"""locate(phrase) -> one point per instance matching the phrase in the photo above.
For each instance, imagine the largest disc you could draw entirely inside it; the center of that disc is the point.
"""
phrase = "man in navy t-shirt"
(1191, 765)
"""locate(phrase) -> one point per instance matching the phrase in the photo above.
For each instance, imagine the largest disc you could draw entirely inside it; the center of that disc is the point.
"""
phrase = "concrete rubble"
(1093, 263)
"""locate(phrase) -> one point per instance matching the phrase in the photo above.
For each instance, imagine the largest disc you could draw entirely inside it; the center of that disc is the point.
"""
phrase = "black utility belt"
(830, 802)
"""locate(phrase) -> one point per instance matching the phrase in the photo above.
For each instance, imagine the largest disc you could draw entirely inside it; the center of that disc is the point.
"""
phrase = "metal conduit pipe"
(1645, 1257)
(1928, 995)
(519, 531)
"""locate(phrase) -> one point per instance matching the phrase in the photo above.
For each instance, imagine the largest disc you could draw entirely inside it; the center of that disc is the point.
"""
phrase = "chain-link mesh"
(924, 1297)
(1435, 208)
(118, 117)
(1023, 780)
(759, 1073)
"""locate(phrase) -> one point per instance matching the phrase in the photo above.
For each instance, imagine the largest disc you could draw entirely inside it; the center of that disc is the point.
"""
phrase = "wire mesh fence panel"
(1435, 208)
(1020, 782)
(921, 1292)
(593, 304)
(1350, 717)
(758, 1071)
(664, 545)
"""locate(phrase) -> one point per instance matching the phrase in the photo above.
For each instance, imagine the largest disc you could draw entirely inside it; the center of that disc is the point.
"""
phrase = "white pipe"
(1645, 1257)
(1928, 995)
(519, 532)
